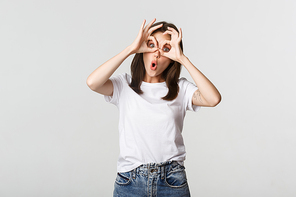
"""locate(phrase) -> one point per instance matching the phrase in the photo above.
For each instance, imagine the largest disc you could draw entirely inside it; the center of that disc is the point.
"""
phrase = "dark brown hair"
(171, 74)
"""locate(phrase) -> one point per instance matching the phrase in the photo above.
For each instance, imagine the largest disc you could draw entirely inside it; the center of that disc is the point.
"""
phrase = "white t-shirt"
(149, 127)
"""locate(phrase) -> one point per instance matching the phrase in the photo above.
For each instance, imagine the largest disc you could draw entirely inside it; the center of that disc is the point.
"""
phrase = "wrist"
(182, 60)
(129, 50)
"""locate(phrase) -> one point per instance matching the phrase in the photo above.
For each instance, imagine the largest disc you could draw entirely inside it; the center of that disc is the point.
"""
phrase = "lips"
(153, 65)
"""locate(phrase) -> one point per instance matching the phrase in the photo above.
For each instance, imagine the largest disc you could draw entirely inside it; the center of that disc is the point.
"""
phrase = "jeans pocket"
(123, 178)
(176, 177)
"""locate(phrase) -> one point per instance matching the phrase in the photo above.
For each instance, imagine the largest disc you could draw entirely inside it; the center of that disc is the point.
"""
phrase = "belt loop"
(162, 172)
(134, 173)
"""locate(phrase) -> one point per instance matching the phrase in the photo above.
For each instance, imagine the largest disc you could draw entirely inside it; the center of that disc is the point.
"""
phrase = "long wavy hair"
(171, 74)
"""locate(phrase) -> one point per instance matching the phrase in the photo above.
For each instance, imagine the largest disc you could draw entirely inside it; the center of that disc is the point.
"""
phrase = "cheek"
(146, 58)
(166, 61)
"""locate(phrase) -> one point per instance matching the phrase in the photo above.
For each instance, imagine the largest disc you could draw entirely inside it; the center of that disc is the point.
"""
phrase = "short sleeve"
(117, 82)
(188, 90)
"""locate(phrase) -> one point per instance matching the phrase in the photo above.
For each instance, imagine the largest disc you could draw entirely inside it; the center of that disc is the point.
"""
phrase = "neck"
(157, 79)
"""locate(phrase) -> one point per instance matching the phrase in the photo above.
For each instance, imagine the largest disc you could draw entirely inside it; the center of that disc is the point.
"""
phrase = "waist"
(156, 168)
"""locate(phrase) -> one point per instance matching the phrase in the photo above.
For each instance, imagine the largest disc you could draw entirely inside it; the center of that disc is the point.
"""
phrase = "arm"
(207, 94)
(99, 81)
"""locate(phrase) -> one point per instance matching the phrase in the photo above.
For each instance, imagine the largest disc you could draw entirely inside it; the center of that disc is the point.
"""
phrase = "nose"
(157, 54)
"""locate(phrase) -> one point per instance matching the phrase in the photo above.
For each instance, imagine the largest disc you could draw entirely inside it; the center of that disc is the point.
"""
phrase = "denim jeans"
(153, 180)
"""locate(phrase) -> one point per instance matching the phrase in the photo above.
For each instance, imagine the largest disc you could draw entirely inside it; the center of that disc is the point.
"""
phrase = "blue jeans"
(153, 180)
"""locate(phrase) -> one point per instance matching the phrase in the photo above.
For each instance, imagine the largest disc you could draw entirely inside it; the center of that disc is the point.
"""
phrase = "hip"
(153, 179)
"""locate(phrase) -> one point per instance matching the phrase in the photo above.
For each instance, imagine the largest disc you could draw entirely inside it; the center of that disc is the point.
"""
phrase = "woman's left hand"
(175, 52)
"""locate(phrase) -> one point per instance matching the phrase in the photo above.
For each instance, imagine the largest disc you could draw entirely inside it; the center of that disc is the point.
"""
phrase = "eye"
(166, 49)
(151, 45)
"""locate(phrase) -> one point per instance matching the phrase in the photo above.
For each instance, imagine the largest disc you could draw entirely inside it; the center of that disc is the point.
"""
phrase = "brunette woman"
(152, 103)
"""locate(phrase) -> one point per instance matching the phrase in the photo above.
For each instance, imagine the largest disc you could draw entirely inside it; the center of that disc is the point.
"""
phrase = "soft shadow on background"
(59, 138)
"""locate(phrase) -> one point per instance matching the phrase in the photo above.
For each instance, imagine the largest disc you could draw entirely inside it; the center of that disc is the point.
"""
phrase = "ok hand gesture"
(140, 43)
(175, 52)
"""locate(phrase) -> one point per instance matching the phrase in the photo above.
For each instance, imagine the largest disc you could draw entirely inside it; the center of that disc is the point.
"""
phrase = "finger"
(154, 28)
(163, 43)
(152, 50)
(149, 49)
(180, 34)
(149, 24)
(168, 32)
(141, 29)
(143, 24)
(162, 53)
(152, 38)
(173, 30)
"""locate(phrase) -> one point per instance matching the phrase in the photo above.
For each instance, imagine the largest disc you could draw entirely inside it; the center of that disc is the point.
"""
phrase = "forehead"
(159, 36)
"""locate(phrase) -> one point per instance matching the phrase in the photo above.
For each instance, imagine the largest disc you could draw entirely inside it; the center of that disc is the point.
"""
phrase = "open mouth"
(153, 65)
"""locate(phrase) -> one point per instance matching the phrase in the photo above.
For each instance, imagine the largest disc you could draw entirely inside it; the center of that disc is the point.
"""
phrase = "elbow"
(89, 83)
(216, 101)
(93, 85)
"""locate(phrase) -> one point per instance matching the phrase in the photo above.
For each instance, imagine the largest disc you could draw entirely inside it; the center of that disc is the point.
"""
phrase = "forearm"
(205, 86)
(105, 71)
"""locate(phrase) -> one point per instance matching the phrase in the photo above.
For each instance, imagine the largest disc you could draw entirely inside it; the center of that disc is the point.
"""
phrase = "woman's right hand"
(140, 43)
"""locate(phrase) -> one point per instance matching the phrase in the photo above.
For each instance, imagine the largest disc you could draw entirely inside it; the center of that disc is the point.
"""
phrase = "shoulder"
(127, 78)
(183, 82)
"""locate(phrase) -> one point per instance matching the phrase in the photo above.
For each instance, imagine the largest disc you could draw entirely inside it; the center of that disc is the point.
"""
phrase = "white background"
(60, 139)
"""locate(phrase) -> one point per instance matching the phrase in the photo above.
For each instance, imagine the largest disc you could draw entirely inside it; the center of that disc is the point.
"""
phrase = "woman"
(152, 104)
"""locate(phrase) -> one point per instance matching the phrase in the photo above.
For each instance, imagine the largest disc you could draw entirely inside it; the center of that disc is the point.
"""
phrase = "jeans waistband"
(155, 165)
(154, 168)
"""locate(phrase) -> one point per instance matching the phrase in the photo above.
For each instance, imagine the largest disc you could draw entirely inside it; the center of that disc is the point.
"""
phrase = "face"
(155, 63)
